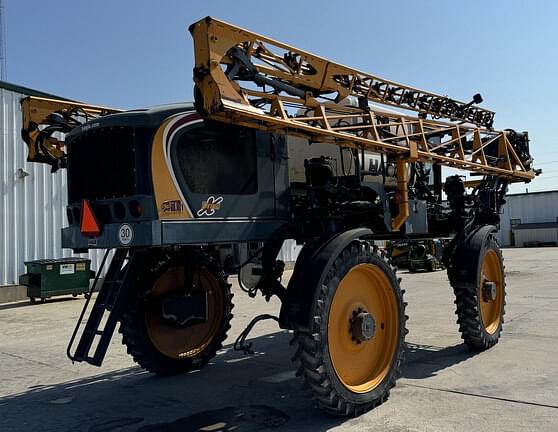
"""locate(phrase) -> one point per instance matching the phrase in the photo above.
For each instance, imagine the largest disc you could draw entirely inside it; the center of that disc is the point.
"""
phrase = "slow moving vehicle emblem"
(210, 206)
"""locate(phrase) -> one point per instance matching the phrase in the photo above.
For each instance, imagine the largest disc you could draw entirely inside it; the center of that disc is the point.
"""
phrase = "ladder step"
(93, 332)
(109, 298)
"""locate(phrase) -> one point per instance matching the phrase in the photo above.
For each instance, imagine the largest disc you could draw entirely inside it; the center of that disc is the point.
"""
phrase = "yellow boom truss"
(248, 79)
(45, 121)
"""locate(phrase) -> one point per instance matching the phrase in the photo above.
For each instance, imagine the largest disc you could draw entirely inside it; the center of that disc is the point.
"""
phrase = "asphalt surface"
(445, 386)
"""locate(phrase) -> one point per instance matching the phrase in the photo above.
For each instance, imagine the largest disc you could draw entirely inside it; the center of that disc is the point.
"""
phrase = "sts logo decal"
(210, 206)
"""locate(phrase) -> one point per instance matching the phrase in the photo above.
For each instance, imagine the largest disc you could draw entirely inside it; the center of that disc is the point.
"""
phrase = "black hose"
(240, 343)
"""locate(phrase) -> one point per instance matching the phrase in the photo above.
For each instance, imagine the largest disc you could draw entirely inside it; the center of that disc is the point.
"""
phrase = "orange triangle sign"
(89, 225)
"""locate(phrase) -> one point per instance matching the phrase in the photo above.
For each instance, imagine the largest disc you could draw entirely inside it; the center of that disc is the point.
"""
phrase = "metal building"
(32, 200)
(530, 219)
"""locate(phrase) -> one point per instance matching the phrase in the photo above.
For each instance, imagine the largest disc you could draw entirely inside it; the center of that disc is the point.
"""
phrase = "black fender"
(466, 259)
(310, 270)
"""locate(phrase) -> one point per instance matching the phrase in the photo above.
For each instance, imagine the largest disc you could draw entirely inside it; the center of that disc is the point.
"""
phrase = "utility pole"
(3, 64)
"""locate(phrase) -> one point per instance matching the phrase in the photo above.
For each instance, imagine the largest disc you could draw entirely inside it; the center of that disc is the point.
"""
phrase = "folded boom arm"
(45, 121)
(248, 79)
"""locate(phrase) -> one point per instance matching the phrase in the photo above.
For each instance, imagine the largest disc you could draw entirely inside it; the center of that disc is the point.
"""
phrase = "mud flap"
(311, 267)
(468, 254)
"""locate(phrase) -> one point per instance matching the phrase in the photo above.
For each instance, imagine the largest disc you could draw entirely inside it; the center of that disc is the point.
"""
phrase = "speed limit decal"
(125, 234)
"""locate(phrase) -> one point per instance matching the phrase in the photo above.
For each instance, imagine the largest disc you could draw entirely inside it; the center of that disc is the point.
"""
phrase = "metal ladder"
(110, 298)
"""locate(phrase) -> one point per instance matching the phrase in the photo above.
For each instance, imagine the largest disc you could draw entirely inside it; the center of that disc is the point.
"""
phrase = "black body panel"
(231, 164)
(110, 165)
(110, 156)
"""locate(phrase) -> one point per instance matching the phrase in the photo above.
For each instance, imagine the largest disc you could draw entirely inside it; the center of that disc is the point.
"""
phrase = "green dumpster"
(53, 277)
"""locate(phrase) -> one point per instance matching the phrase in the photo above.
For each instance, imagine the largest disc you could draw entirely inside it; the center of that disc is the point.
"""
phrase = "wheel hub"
(362, 326)
(489, 291)
(185, 310)
(181, 325)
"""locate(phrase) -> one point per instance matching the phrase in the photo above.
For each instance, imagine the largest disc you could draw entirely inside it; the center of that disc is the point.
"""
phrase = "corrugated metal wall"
(523, 236)
(289, 252)
(536, 207)
(32, 207)
(529, 208)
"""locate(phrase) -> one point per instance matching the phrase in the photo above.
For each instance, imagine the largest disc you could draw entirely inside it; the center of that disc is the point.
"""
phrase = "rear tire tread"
(136, 340)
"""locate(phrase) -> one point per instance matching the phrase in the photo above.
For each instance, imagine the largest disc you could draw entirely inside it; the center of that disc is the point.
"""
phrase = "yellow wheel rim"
(361, 367)
(177, 342)
(491, 309)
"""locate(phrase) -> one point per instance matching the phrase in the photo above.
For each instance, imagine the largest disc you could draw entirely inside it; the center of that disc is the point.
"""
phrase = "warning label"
(66, 269)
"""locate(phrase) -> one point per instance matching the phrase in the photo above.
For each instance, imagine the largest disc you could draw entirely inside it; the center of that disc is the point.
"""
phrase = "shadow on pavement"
(235, 392)
(425, 361)
(24, 303)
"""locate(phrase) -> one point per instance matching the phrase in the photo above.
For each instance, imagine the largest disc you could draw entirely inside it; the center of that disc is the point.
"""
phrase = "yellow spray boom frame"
(302, 82)
(44, 120)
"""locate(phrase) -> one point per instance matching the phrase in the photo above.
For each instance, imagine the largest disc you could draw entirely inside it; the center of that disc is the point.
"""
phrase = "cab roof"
(148, 117)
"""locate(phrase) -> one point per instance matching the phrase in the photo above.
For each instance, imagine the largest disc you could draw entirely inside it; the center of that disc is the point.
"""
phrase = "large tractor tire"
(352, 355)
(480, 305)
(161, 346)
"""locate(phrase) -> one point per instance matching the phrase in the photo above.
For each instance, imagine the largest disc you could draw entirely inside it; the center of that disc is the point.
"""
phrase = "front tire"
(351, 369)
(480, 307)
(161, 347)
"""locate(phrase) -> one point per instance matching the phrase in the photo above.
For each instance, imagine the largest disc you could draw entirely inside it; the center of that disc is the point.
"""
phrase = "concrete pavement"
(445, 386)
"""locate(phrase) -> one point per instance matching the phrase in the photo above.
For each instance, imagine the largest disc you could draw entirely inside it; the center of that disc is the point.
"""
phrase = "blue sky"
(131, 54)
